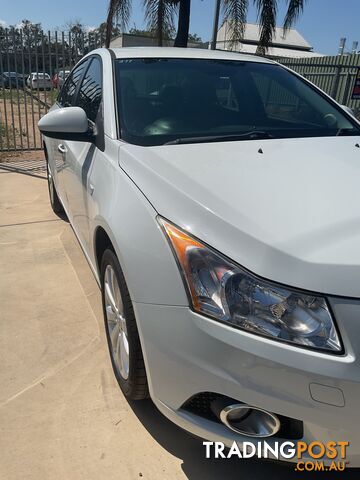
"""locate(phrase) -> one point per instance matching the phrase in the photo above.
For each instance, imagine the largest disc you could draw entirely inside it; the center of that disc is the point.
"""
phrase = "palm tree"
(183, 23)
(235, 12)
(159, 16)
(121, 10)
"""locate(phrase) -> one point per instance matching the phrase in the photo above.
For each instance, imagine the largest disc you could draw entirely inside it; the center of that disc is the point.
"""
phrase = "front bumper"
(186, 354)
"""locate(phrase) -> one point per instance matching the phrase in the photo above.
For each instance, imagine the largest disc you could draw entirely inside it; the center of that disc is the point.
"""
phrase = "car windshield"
(175, 100)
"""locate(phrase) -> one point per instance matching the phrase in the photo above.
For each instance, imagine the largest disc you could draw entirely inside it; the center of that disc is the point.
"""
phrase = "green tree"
(140, 32)
(194, 37)
(31, 32)
(168, 35)
(76, 41)
(101, 31)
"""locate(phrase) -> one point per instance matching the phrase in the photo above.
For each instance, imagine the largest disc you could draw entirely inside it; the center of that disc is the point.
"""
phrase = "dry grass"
(19, 115)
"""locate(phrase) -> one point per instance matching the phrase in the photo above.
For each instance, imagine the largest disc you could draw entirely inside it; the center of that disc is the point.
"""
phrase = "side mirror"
(68, 123)
(348, 110)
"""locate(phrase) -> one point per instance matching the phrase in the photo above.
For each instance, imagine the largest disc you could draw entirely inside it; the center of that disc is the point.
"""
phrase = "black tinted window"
(89, 96)
(67, 94)
(164, 100)
(284, 103)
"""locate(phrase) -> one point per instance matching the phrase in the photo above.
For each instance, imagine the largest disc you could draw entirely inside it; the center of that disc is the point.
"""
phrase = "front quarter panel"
(121, 209)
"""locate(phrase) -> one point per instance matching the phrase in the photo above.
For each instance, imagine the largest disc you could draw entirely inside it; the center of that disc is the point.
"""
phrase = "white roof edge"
(172, 52)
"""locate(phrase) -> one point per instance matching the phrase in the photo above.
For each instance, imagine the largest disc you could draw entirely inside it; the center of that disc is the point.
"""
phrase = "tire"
(55, 203)
(121, 330)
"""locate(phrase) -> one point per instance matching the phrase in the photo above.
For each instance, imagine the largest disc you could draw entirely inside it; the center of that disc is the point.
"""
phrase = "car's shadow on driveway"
(195, 466)
(192, 453)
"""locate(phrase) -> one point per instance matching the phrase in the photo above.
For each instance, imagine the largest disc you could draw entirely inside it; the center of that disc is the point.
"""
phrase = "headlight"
(222, 290)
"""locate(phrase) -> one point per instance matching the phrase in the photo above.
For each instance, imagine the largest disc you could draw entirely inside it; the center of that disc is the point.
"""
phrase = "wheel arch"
(102, 242)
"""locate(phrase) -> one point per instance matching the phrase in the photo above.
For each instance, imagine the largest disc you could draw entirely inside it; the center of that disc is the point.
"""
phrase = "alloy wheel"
(116, 323)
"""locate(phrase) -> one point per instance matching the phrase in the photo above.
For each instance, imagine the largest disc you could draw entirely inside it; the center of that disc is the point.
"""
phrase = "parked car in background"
(221, 220)
(39, 80)
(11, 79)
(59, 78)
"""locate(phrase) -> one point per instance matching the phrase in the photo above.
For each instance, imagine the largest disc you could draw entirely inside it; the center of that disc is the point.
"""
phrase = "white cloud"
(3, 24)
(88, 28)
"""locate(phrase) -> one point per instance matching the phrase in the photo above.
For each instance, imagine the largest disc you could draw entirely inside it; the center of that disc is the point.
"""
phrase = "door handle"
(62, 149)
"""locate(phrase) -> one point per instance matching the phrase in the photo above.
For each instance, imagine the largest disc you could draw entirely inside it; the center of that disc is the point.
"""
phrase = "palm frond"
(159, 16)
(119, 10)
(267, 10)
(235, 12)
(294, 9)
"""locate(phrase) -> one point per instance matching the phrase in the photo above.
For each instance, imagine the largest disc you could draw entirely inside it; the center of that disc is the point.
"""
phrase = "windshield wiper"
(252, 135)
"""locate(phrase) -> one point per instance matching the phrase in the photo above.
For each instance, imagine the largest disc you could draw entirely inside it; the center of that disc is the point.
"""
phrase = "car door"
(81, 155)
(65, 99)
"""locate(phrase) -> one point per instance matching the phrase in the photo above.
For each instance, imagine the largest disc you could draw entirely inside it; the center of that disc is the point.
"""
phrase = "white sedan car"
(221, 220)
(39, 80)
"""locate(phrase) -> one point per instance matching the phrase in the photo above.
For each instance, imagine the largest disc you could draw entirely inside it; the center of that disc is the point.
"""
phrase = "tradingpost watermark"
(312, 456)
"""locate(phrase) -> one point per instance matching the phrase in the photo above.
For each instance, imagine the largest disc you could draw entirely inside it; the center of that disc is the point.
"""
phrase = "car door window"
(68, 91)
(90, 93)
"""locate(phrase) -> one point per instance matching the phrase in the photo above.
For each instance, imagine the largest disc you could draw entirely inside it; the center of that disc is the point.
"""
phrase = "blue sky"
(323, 23)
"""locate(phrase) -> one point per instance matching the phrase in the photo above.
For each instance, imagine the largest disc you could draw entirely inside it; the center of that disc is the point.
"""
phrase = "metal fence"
(335, 75)
(33, 66)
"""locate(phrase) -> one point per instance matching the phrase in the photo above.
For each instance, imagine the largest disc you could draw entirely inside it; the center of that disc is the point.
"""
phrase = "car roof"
(171, 52)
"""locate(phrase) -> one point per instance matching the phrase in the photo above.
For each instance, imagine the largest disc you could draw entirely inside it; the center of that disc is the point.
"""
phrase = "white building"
(291, 45)
(134, 40)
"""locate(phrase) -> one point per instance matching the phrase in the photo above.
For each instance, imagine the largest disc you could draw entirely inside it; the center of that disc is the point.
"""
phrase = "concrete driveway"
(62, 415)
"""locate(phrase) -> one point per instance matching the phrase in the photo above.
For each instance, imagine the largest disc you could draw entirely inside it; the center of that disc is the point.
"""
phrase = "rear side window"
(90, 93)
(67, 94)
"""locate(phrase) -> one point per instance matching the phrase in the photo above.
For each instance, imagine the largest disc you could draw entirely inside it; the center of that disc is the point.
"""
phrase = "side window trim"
(87, 59)
(92, 58)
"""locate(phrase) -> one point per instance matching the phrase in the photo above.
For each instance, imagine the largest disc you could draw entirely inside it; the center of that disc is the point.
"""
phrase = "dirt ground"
(19, 115)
